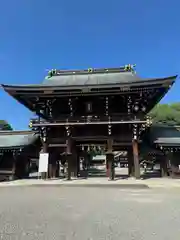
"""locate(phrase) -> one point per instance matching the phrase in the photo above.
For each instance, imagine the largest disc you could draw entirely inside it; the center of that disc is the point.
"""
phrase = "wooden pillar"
(85, 163)
(13, 177)
(69, 158)
(54, 169)
(174, 163)
(110, 160)
(130, 163)
(57, 168)
(45, 147)
(163, 166)
(52, 163)
(44, 150)
(78, 161)
(136, 159)
(74, 160)
(63, 165)
(50, 170)
(27, 167)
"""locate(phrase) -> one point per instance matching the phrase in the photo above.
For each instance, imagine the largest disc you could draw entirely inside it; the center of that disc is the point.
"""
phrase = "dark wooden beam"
(43, 124)
(57, 145)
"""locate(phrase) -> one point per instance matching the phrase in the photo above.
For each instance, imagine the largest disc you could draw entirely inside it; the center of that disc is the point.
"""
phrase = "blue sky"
(42, 34)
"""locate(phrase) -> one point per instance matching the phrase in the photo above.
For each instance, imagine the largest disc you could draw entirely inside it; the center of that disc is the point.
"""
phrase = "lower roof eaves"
(16, 139)
(168, 142)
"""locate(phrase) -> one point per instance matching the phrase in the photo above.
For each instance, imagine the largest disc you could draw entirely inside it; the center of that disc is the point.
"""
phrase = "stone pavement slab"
(98, 182)
(61, 213)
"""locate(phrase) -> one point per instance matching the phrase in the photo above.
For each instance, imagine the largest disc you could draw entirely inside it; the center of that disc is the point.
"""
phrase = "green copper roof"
(92, 79)
(13, 139)
(165, 135)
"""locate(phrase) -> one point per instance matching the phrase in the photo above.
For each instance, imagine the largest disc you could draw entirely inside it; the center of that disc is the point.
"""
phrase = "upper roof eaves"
(97, 77)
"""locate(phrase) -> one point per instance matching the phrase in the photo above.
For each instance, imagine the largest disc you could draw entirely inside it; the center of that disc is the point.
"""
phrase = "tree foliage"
(4, 125)
(166, 114)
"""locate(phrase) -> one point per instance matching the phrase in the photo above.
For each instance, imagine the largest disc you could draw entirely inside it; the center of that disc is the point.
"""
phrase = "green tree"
(176, 106)
(4, 125)
(166, 114)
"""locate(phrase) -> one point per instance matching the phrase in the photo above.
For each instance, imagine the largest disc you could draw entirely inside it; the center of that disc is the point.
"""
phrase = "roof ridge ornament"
(126, 68)
(90, 70)
(130, 67)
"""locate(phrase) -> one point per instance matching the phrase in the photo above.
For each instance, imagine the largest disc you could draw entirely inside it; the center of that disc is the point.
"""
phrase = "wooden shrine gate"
(108, 105)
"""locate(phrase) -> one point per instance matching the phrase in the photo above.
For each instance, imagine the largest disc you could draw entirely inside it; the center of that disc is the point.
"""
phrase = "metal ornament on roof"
(90, 70)
(7, 150)
(129, 67)
(51, 73)
(135, 132)
(148, 121)
(109, 127)
(70, 106)
(126, 68)
(167, 150)
(143, 108)
(107, 106)
(68, 131)
(142, 128)
(34, 121)
(30, 124)
(129, 103)
(49, 105)
(136, 106)
(43, 134)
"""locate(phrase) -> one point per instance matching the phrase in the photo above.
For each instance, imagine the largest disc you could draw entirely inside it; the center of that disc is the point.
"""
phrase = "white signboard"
(43, 162)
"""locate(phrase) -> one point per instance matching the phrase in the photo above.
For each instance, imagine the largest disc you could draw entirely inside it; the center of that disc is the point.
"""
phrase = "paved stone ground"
(121, 181)
(88, 213)
(166, 183)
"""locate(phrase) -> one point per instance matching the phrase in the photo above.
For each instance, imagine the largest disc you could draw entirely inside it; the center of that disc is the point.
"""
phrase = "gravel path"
(88, 213)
